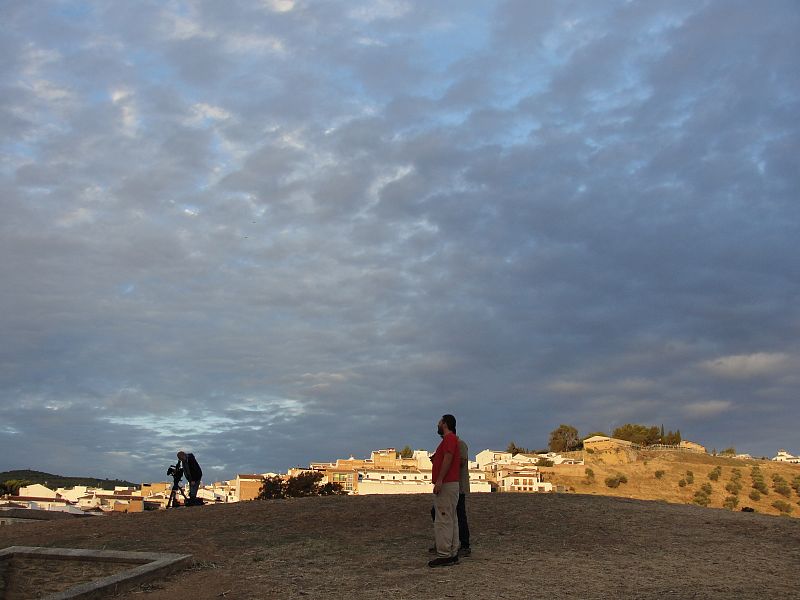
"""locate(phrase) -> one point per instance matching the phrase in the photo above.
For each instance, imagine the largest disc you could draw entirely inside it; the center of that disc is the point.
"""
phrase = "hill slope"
(643, 484)
(57, 481)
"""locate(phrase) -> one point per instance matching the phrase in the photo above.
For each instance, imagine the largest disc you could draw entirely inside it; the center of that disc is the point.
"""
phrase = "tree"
(638, 434)
(564, 439)
(514, 449)
(12, 486)
(303, 485)
(407, 452)
(273, 488)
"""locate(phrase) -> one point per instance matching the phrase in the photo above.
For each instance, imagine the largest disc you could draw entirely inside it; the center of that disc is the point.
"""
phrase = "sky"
(271, 232)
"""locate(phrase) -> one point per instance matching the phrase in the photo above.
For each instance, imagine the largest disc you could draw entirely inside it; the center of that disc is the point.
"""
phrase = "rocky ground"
(524, 546)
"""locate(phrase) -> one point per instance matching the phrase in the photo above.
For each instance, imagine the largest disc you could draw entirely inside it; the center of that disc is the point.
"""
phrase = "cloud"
(745, 366)
(706, 409)
(286, 218)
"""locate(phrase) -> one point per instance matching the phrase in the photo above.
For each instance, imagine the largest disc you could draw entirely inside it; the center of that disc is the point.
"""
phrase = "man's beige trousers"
(445, 526)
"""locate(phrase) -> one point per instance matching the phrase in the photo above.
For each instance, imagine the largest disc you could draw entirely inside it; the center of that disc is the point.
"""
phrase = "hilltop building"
(784, 456)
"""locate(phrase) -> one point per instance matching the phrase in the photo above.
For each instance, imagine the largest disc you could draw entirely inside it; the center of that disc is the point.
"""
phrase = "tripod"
(173, 500)
(176, 472)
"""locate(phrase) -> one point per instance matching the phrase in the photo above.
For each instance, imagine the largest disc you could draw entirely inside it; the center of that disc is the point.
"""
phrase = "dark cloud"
(286, 231)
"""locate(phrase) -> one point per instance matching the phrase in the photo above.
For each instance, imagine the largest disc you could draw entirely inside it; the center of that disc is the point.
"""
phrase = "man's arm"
(446, 462)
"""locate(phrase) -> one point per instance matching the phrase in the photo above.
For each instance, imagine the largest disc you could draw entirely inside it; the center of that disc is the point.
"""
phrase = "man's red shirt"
(449, 443)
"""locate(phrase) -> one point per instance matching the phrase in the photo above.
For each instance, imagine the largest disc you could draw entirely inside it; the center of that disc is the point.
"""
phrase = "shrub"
(701, 499)
(589, 475)
(796, 484)
(706, 489)
(783, 489)
(659, 474)
(782, 506)
(733, 487)
(682, 483)
(614, 482)
(731, 502)
(755, 495)
(715, 473)
(689, 477)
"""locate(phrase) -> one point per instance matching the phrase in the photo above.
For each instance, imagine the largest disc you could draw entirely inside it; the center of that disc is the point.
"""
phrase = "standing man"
(446, 473)
(192, 471)
(463, 490)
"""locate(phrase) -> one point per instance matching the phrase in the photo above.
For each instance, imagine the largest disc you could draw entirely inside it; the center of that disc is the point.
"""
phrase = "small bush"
(706, 489)
(731, 502)
(782, 506)
(715, 473)
(701, 499)
(755, 495)
(659, 474)
(682, 483)
(733, 487)
(689, 477)
(589, 473)
(614, 482)
(783, 489)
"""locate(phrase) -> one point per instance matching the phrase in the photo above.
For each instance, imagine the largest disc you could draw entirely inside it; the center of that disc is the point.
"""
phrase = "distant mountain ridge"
(60, 481)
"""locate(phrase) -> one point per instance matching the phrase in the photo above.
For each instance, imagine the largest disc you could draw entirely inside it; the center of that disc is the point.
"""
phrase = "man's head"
(446, 425)
(181, 455)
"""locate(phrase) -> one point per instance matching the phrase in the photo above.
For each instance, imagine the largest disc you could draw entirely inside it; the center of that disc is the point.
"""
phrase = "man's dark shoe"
(464, 551)
(443, 561)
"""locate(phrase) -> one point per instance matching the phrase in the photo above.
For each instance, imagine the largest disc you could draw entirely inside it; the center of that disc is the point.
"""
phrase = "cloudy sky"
(277, 231)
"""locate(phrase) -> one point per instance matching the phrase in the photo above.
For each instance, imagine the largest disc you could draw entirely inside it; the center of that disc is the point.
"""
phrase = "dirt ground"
(524, 546)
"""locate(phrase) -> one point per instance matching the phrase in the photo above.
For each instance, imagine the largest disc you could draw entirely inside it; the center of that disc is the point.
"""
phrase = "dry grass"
(643, 484)
(524, 546)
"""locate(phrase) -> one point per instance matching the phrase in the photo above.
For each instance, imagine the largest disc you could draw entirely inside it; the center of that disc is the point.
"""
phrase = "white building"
(784, 456)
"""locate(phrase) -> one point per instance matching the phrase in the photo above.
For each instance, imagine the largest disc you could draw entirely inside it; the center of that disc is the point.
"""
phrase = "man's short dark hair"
(450, 421)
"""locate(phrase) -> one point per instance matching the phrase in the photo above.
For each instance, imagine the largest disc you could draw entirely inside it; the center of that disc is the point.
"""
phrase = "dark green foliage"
(272, 489)
(782, 506)
(300, 486)
(755, 495)
(758, 480)
(332, 489)
(406, 452)
(646, 436)
(589, 475)
(12, 486)
(682, 483)
(715, 473)
(659, 474)
(796, 484)
(303, 485)
(689, 477)
(544, 462)
(733, 487)
(731, 502)
(782, 488)
(701, 498)
(728, 452)
(613, 482)
(514, 449)
(564, 439)
(706, 489)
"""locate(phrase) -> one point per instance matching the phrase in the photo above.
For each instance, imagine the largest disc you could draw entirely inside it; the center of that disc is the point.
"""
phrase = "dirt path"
(524, 546)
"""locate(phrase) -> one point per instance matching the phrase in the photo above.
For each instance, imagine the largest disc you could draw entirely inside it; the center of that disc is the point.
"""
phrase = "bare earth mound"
(524, 546)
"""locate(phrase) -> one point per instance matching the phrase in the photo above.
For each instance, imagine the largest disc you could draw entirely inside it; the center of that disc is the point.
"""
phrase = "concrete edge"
(153, 564)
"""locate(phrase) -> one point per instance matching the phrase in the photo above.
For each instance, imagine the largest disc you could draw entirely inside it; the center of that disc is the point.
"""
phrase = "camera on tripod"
(175, 471)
